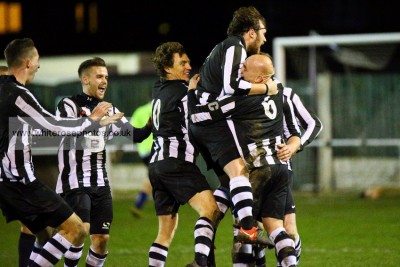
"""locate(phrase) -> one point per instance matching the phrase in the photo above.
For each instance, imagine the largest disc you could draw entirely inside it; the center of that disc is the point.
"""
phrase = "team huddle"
(234, 112)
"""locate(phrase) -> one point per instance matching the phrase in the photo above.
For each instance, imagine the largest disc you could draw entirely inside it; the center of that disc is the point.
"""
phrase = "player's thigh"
(101, 214)
(219, 140)
(80, 202)
(276, 192)
(175, 182)
(35, 205)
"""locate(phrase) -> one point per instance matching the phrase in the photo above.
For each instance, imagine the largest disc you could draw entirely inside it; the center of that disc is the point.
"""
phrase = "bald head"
(258, 68)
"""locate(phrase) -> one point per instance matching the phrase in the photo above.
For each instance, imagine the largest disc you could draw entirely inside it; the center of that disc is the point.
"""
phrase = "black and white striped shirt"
(20, 112)
(220, 73)
(255, 121)
(310, 124)
(82, 159)
(261, 130)
(170, 122)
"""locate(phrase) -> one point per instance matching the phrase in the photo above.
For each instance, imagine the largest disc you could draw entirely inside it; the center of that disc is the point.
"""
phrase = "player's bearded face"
(255, 47)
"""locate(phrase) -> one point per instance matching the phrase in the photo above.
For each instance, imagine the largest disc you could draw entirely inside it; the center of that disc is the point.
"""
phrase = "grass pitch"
(336, 230)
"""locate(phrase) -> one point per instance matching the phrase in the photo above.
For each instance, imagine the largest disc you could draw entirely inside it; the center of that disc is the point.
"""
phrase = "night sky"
(198, 25)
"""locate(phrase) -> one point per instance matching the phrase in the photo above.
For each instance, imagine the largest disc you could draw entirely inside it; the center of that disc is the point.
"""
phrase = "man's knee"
(204, 203)
(99, 242)
(74, 228)
(79, 233)
(214, 215)
(236, 168)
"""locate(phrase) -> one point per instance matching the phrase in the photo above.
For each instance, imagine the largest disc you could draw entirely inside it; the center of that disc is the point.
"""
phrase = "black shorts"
(290, 206)
(34, 204)
(270, 196)
(216, 143)
(174, 183)
(93, 205)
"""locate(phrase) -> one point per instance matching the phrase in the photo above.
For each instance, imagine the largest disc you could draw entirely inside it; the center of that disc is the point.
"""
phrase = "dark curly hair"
(164, 56)
(244, 19)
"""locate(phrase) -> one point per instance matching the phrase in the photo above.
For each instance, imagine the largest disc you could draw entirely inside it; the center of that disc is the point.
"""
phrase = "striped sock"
(72, 256)
(242, 254)
(35, 252)
(222, 199)
(157, 255)
(284, 247)
(246, 254)
(25, 246)
(297, 247)
(259, 254)
(203, 236)
(52, 251)
(242, 198)
(94, 259)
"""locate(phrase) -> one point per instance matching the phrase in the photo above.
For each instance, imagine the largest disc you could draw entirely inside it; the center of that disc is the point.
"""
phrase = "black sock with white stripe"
(157, 255)
(203, 236)
(297, 247)
(242, 198)
(284, 247)
(25, 246)
(259, 254)
(246, 254)
(52, 251)
(221, 195)
(94, 259)
(222, 198)
(242, 254)
(72, 256)
(35, 252)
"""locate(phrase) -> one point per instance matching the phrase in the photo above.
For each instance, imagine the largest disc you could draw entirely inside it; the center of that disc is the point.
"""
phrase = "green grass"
(336, 230)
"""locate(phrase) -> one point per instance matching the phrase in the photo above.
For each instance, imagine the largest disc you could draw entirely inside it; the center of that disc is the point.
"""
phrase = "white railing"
(52, 150)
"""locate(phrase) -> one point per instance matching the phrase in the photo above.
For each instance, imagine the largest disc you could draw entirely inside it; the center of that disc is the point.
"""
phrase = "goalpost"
(281, 43)
(325, 179)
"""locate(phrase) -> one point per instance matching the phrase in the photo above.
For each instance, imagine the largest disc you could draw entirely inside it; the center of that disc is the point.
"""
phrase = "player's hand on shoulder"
(272, 87)
(194, 81)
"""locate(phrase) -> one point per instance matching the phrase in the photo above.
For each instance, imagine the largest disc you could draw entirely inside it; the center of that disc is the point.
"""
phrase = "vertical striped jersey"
(256, 121)
(259, 128)
(20, 112)
(220, 72)
(170, 122)
(310, 124)
(82, 159)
